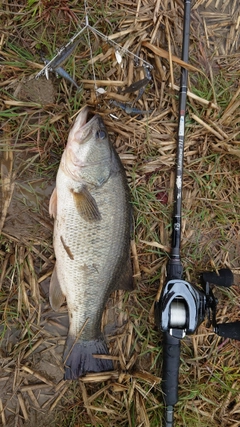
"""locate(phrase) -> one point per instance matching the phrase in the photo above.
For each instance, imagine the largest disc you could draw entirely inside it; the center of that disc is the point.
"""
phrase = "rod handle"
(170, 370)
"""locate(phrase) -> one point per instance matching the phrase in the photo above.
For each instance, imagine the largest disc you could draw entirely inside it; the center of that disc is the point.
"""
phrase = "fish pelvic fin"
(79, 358)
(53, 204)
(56, 296)
(86, 205)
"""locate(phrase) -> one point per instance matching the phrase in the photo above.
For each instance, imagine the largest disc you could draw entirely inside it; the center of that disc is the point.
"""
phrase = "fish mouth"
(86, 126)
(86, 118)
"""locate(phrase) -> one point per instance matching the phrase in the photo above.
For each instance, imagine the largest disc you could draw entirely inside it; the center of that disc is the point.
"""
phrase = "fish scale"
(91, 241)
(101, 251)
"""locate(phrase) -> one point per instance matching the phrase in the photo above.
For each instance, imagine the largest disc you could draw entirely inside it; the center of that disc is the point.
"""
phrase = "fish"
(136, 85)
(56, 63)
(59, 71)
(59, 59)
(130, 110)
(140, 84)
(64, 54)
(92, 230)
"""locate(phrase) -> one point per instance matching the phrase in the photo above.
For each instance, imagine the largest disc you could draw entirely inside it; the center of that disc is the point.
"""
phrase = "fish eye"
(101, 134)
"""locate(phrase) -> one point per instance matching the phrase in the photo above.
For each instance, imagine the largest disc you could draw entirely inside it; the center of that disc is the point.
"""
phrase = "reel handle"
(229, 330)
(223, 278)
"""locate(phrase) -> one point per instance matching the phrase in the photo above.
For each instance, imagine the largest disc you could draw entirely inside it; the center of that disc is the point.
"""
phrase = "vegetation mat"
(36, 115)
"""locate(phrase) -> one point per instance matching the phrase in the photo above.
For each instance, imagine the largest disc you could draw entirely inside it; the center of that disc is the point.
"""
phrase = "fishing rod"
(182, 306)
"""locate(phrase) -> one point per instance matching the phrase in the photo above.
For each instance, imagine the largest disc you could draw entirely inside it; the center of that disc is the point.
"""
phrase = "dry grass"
(36, 116)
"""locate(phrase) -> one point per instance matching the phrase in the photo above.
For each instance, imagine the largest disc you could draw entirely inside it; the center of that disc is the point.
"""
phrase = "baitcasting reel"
(183, 307)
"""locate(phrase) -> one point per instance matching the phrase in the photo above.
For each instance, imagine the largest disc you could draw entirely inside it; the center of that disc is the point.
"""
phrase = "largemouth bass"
(92, 221)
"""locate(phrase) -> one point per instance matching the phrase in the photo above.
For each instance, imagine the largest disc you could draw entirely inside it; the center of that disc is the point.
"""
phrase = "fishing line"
(89, 45)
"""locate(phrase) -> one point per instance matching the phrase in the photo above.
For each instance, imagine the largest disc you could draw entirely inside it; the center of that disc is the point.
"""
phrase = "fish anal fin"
(56, 296)
(53, 204)
(86, 205)
(125, 280)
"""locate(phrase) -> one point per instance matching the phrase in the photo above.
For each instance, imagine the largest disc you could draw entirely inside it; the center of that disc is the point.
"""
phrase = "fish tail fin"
(79, 358)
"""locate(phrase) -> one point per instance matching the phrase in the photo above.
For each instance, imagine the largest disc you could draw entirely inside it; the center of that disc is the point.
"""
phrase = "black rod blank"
(176, 234)
(171, 345)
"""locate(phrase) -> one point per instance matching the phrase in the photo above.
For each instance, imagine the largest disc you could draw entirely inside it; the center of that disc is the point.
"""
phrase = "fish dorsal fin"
(53, 204)
(56, 296)
(125, 280)
(86, 205)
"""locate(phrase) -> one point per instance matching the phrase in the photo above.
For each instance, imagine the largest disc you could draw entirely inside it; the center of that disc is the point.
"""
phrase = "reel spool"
(178, 314)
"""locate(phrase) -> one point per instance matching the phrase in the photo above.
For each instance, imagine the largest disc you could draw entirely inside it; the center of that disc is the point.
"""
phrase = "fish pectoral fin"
(125, 281)
(86, 205)
(53, 204)
(56, 296)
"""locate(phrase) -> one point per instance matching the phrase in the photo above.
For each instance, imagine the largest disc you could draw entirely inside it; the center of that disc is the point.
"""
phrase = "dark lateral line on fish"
(67, 249)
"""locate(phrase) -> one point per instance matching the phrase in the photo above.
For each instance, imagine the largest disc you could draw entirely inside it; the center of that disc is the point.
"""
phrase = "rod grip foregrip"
(170, 369)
